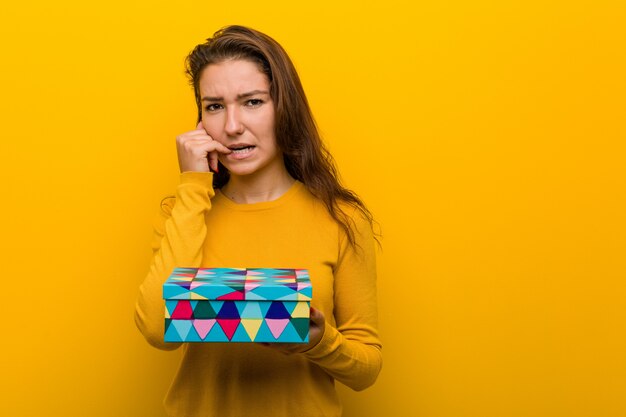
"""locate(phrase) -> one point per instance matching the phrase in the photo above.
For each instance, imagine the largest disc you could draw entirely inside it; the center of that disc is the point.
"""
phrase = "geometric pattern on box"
(237, 305)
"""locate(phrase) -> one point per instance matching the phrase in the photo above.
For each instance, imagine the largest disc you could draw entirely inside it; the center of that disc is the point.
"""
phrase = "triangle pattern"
(251, 326)
(171, 335)
(252, 310)
(248, 305)
(216, 305)
(276, 326)
(240, 335)
(216, 334)
(182, 311)
(204, 310)
(203, 327)
(301, 325)
(264, 334)
(170, 306)
(234, 295)
(291, 333)
(277, 311)
(182, 327)
(229, 326)
(301, 310)
(228, 311)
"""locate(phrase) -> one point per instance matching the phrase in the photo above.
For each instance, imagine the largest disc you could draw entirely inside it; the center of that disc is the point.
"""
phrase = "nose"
(234, 125)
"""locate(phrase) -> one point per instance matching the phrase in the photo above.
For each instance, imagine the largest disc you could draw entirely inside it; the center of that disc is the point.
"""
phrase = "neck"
(249, 189)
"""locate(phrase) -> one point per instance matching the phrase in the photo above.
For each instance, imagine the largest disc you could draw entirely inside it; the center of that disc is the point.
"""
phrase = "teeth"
(242, 150)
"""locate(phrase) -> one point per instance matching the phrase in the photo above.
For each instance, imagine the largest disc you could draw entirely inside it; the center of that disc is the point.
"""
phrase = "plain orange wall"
(487, 137)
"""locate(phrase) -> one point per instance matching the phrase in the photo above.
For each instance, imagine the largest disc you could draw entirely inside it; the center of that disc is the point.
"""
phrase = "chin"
(241, 171)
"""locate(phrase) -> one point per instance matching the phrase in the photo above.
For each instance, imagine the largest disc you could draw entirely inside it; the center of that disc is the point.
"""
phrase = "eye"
(213, 107)
(254, 102)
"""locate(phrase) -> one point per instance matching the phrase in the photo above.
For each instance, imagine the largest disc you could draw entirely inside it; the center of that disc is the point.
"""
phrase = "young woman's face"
(238, 112)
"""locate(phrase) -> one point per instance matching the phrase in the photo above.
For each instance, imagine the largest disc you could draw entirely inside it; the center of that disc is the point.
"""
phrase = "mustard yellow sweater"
(200, 227)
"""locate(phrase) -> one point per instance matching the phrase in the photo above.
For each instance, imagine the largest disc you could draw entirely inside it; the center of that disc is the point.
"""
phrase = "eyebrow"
(239, 96)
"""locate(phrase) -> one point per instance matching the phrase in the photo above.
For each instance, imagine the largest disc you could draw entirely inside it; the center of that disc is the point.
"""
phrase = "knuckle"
(182, 139)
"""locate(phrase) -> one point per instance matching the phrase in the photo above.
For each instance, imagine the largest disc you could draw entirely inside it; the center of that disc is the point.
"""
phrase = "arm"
(179, 235)
(180, 231)
(351, 353)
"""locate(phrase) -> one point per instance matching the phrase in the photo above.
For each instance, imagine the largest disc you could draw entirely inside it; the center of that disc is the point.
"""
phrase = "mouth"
(241, 148)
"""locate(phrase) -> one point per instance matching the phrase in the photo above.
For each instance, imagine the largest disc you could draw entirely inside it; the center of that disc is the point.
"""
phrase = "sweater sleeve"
(351, 352)
(179, 234)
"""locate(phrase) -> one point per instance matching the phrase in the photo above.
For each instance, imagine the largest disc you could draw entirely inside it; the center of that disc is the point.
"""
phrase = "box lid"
(238, 284)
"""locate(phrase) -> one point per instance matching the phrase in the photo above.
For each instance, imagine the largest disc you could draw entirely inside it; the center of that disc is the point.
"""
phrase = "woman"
(258, 189)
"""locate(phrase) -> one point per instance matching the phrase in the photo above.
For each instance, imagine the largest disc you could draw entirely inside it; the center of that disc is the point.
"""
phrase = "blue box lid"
(238, 284)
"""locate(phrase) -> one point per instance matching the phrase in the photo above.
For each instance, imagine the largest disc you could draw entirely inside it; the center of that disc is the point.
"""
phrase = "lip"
(238, 145)
(237, 156)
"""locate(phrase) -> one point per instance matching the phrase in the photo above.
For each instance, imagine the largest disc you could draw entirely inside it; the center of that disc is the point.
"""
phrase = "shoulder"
(360, 226)
(345, 213)
(358, 217)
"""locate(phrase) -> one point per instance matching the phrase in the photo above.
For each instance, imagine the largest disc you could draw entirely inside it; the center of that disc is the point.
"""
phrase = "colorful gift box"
(237, 305)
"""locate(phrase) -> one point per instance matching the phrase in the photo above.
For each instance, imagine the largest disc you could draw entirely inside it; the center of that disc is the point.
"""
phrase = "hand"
(316, 331)
(197, 151)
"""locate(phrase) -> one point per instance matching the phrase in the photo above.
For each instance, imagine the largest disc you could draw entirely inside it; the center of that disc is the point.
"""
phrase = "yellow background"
(486, 136)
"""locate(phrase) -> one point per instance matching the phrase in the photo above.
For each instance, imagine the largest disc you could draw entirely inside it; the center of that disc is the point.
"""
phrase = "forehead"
(231, 78)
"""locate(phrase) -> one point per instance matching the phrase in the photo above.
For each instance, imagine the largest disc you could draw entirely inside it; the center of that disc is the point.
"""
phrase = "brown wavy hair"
(305, 156)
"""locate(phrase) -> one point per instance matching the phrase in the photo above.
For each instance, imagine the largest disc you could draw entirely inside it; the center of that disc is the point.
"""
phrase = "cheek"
(268, 124)
(212, 128)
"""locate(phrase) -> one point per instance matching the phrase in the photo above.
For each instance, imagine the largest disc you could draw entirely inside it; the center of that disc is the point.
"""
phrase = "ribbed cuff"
(202, 178)
(331, 339)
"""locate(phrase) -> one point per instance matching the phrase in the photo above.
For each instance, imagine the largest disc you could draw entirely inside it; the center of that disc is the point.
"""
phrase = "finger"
(220, 148)
(195, 134)
(213, 161)
(213, 155)
(207, 145)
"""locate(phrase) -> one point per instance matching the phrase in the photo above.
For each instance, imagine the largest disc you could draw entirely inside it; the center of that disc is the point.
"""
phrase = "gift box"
(237, 305)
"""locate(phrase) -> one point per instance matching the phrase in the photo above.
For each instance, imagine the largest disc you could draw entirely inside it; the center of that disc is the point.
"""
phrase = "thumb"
(317, 316)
